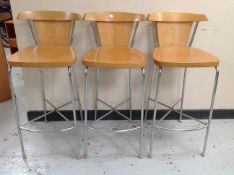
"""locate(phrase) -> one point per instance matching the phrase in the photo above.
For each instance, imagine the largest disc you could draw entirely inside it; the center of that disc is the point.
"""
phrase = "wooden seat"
(114, 57)
(114, 36)
(53, 35)
(44, 56)
(183, 57)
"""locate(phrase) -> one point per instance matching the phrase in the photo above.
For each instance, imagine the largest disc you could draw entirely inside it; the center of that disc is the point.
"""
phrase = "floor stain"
(5, 139)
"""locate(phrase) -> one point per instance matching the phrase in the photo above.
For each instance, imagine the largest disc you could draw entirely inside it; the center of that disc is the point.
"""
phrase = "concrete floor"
(53, 153)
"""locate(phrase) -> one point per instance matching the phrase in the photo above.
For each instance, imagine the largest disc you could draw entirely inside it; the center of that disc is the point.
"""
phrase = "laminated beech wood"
(114, 28)
(44, 56)
(174, 30)
(114, 57)
(183, 57)
(114, 31)
(114, 17)
(53, 30)
(5, 92)
(176, 17)
(49, 15)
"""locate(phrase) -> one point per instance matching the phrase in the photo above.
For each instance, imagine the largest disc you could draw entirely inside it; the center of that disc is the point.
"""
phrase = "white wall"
(215, 36)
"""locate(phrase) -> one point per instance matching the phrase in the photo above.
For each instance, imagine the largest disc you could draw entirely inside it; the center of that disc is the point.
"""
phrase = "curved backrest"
(114, 28)
(174, 28)
(52, 27)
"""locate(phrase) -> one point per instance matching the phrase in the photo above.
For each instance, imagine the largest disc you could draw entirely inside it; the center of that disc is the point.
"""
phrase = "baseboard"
(200, 114)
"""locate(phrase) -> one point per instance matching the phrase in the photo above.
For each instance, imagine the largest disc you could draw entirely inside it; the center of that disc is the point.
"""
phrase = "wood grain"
(44, 56)
(114, 17)
(114, 57)
(49, 15)
(183, 57)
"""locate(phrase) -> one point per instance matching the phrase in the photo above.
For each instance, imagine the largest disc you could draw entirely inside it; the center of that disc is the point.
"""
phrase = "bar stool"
(52, 33)
(174, 34)
(114, 34)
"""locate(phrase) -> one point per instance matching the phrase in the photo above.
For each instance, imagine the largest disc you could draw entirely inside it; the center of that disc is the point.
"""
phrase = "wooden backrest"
(52, 27)
(114, 28)
(174, 29)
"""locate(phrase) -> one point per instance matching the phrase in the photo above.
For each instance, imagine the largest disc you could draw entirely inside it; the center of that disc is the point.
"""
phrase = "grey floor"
(53, 153)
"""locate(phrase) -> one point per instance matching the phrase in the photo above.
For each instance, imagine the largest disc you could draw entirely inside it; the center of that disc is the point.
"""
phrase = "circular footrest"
(187, 128)
(46, 130)
(134, 126)
(115, 129)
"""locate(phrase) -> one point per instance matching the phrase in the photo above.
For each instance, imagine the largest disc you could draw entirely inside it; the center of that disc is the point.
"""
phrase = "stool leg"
(130, 93)
(182, 96)
(148, 98)
(74, 112)
(16, 114)
(43, 93)
(97, 90)
(86, 114)
(155, 110)
(77, 93)
(142, 110)
(211, 112)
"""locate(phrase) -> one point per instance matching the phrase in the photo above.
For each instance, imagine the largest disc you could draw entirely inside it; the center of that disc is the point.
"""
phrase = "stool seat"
(114, 57)
(44, 56)
(183, 57)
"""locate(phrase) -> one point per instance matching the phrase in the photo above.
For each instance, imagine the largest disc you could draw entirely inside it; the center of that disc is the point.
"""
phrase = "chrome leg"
(211, 111)
(77, 93)
(86, 112)
(150, 86)
(43, 93)
(97, 89)
(182, 96)
(155, 110)
(74, 112)
(130, 93)
(16, 114)
(142, 110)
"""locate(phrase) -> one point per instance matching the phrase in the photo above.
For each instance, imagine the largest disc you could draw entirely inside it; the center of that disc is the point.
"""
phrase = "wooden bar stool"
(114, 34)
(173, 34)
(52, 33)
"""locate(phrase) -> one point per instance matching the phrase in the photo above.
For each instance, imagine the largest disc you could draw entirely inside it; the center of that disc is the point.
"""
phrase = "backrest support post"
(96, 34)
(193, 34)
(33, 32)
(133, 36)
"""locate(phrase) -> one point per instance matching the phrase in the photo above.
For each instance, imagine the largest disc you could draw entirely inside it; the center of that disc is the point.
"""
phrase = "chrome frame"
(72, 78)
(130, 93)
(113, 108)
(16, 113)
(74, 112)
(96, 94)
(77, 94)
(86, 112)
(155, 109)
(211, 111)
(43, 93)
(203, 125)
